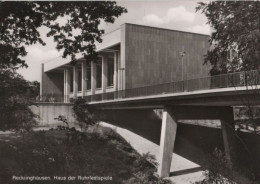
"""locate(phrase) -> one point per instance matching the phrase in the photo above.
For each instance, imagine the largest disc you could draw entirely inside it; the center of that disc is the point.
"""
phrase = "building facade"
(129, 57)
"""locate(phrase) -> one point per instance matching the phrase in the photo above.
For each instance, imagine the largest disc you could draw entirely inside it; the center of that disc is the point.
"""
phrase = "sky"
(174, 14)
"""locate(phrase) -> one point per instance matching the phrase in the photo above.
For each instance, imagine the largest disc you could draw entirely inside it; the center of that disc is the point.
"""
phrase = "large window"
(110, 71)
(71, 80)
(99, 73)
(79, 78)
(88, 75)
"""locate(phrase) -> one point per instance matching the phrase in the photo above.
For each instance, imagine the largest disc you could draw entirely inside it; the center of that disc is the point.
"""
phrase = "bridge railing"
(237, 79)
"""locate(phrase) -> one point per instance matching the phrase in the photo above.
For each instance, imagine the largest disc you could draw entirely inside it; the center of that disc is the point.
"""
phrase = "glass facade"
(98, 76)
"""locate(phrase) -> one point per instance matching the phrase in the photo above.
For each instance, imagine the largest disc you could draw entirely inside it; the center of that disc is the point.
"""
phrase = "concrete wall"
(152, 55)
(48, 111)
(52, 83)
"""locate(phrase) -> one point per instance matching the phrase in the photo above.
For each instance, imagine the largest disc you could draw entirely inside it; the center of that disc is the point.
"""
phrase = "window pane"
(99, 73)
(110, 72)
(88, 75)
(79, 78)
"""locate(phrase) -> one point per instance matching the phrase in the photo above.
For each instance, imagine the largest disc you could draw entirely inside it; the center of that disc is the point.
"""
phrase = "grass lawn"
(58, 154)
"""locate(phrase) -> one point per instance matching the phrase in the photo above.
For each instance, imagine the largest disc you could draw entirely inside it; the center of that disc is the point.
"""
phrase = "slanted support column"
(93, 77)
(168, 134)
(84, 78)
(104, 73)
(228, 133)
(75, 81)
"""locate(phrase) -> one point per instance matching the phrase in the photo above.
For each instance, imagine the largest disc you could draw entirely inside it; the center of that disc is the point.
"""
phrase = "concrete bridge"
(210, 98)
(207, 104)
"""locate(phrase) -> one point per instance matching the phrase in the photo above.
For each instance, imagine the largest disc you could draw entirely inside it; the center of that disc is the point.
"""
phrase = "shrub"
(218, 171)
(82, 114)
(16, 116)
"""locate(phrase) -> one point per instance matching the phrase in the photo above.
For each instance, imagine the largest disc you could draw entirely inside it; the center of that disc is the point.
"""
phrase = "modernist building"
(129, 57)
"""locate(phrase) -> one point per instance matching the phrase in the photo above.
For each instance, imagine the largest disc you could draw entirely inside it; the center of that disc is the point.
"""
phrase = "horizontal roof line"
(167, 29)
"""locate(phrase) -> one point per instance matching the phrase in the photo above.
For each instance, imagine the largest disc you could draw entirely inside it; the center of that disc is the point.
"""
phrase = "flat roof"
(166, 29)
(110, 39)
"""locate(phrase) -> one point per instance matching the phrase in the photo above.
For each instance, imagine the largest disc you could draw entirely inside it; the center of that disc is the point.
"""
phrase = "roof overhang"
(108, 40)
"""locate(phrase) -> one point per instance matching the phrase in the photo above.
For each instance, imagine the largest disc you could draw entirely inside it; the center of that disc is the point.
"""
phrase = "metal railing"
(237, 79)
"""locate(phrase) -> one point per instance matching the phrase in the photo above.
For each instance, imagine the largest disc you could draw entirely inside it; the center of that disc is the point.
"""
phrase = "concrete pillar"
(119, 74)
(84, 78)
(168, 133)
(67, 85)
(104, 73)
(122, 80)
(41, 83)
(228, 133)
(75, 81)
(115, 71)
(123, 56)
(93, 77)
(64, 86)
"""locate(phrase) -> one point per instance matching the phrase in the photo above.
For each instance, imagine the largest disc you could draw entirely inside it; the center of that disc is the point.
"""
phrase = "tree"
(236, 26)
(15, 93)
(19, 23)
(235, 46)
(19, 26)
